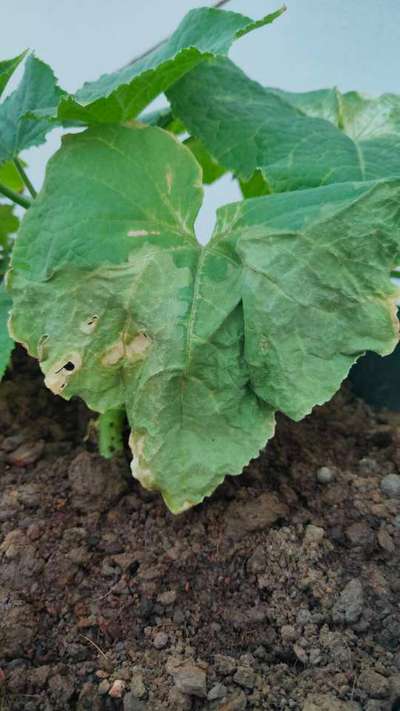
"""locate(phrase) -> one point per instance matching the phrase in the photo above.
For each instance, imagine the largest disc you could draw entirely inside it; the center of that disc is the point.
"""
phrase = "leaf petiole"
(24, 177)
(15, 197)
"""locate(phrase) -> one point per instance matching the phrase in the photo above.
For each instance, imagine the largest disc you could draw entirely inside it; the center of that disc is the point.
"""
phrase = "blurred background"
(352, 44)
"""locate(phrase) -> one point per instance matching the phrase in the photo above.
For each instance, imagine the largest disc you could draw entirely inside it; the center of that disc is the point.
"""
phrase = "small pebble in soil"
(374, 684)
(349, 606)
(237, 702)
(245, 677)
(218, 691)
(325, 475)
(138, 689)
(26, 454)
(118, 689)
(313, 534)
(167, 598)
(288, 633)
(390, 485)
(104, 687)
(190, 679)
(160, 640)
(385, 540)
(224, 665)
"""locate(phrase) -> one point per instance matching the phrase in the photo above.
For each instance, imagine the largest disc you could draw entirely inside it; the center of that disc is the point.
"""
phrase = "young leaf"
(117, 97)
(38, 89)
(247, 127)
(123, 307)
(7, 69)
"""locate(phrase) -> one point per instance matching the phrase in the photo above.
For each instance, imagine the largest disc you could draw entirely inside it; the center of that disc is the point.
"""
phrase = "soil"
(281, 591)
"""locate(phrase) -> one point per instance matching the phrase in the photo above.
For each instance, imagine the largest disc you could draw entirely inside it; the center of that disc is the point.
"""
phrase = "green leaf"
(200, 345)
(7, 69)
(211, 170)
(292, 139)
(10, 177)
(322, 103)
(6, 343)
(9, 224)
(118, 97)
(316, 293)
(248, 128)
(38, 89)
(372, 124)
(255, 187)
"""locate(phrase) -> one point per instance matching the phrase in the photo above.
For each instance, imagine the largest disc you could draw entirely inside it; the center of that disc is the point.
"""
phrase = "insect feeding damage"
(57, 378)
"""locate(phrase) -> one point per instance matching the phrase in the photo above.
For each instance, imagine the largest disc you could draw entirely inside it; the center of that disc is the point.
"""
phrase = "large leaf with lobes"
(115, 98)
(123, 307)
(294, 140)
(38, 89)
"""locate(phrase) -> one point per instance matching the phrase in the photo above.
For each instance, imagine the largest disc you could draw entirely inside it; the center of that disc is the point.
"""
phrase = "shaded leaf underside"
(123, 307)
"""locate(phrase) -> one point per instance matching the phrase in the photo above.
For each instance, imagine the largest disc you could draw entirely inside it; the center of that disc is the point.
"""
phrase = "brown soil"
(280, 592)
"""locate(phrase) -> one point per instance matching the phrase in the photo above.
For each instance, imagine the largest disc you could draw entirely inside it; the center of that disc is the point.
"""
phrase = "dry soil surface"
(282, 591)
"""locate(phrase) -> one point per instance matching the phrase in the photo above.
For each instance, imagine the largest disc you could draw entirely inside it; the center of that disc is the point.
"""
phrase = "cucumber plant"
(201, 345)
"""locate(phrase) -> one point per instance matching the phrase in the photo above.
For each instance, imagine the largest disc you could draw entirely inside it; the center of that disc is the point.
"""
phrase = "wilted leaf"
(123, 307)
(38, 89)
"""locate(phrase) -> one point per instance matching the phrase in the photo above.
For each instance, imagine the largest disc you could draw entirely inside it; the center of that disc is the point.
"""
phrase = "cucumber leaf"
(373, 125)
(293, 140)
(37, 89)
(122, 306)
(211, 169)
(247, 128)
(7, 69)
(6, 343)
(8, 225)
(10, 176)
(122, 95)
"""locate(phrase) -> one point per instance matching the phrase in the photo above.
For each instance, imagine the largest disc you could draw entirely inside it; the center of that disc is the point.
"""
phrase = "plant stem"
(219, 4)
(110, 427)
(15, 197)
(24, 177)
